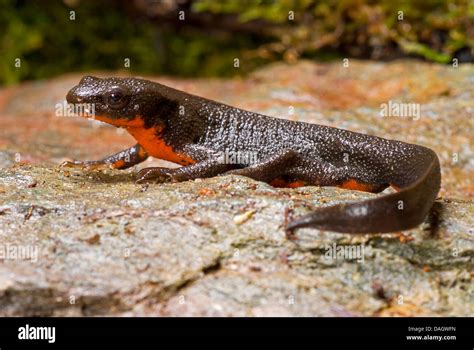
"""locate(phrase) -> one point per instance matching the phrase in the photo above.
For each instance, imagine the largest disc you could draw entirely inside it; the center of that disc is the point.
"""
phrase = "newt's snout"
(87, 91)
(73, 98)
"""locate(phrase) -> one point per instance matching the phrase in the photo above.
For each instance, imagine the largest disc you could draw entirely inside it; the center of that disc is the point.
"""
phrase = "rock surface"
(77, 242)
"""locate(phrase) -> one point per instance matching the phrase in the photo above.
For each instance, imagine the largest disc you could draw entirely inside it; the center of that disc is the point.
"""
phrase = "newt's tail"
(418, 184)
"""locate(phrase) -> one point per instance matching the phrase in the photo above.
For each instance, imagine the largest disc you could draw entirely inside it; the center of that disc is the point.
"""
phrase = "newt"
(196, 132)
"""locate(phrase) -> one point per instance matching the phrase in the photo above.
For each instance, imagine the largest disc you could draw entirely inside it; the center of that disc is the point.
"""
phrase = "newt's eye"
(116, 98)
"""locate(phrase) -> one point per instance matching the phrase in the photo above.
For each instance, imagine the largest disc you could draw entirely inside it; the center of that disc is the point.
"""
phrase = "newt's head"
(119, 101)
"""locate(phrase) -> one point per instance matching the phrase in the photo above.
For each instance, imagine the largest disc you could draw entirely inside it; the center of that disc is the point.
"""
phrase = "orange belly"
(149, 139)
(282, 183)
(358, 186)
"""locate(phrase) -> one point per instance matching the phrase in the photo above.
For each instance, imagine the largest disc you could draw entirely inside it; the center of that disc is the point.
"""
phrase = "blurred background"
(203, 37)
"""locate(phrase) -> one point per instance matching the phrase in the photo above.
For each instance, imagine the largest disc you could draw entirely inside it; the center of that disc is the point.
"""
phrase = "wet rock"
(78, 242)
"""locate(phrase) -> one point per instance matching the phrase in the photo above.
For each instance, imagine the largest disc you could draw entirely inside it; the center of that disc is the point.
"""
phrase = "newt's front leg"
(121, 160)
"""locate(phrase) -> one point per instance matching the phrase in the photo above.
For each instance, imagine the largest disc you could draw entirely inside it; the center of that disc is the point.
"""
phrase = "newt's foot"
(86, 165)
(155, 174)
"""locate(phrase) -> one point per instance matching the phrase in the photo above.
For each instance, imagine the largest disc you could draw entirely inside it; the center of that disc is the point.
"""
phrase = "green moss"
(432, 29)
(47, 42)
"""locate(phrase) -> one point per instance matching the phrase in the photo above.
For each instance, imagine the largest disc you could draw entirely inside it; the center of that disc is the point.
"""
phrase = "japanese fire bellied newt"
(195, 132)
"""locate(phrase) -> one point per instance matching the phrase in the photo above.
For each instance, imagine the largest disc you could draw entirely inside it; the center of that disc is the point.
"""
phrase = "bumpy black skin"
(202, 130)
